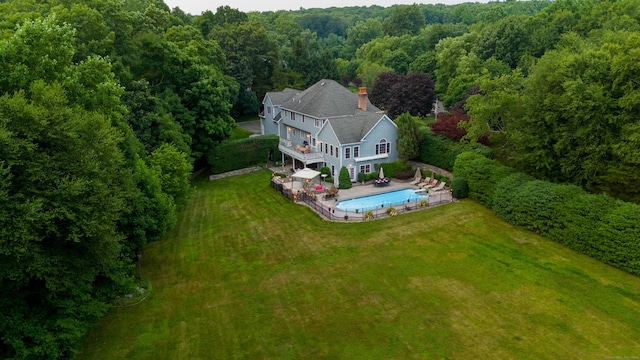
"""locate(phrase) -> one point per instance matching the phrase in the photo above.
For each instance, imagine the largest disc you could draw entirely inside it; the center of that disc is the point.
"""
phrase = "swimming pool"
(378, 201)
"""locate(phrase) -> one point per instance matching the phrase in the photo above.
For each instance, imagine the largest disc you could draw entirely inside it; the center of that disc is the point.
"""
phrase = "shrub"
(459, 188)
(482, 175)
(442, 152)
(392, 211)
(506, 189)
(325, 170)
(362, 177)
(373, 175)
(344, 180)
(443, 178)
(239, 154)
(368, 215)
(391, 168)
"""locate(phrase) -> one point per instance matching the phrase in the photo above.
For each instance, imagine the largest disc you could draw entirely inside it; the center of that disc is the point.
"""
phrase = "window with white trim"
(268, 109)
(337, 152)
(326, 148)
(317, 123)
(347, 153)
(365, 169)
(382, 147)
(293, 116)
(331, 152)
(294, 132)
(356, 151)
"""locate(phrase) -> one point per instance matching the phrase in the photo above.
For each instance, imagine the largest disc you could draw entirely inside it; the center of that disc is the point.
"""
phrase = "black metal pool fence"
(333, 213)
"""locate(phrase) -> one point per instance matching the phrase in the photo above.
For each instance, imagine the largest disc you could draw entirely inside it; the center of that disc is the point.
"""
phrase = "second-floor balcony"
(300, 152)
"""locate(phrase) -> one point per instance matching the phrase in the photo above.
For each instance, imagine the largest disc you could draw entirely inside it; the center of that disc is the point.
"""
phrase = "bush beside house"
(344, 180)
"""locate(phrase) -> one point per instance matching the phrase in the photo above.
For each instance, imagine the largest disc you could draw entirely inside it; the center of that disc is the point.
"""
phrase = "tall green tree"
(61, 260)
(408, 137)
(252, 56)
(404, 19)
(173, 169)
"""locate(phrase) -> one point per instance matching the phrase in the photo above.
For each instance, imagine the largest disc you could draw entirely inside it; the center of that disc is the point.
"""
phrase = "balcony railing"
(299, 152)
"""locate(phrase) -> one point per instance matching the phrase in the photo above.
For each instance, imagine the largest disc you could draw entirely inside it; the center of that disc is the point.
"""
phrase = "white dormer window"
(293, 116)
(317, 123)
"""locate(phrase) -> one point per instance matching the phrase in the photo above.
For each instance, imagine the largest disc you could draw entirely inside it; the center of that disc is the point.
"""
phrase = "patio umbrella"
(418, 175)
(381, 173)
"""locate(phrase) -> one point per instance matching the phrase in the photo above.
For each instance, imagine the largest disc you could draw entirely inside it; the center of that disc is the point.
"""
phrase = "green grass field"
(248, 275)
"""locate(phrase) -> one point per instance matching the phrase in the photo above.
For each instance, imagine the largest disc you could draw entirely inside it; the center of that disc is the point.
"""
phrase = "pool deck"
(358, 190)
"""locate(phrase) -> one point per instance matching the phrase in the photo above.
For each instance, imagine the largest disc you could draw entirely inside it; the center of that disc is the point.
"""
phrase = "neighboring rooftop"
(327, 99)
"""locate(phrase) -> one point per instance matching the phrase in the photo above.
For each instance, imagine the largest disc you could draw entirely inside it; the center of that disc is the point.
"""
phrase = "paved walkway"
(253, 126)
(235, 173)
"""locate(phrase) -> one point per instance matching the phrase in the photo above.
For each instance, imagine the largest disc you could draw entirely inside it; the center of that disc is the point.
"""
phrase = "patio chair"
(424, 183)
(431, 184)
(416, 181)
(439, 187)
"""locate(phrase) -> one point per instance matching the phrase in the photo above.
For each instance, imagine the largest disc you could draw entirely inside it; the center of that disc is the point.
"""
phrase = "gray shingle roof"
(352, 129)
(327, 99)
(280, 97)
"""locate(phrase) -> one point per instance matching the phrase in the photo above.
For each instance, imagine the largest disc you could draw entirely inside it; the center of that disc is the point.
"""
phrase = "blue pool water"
(393, 198)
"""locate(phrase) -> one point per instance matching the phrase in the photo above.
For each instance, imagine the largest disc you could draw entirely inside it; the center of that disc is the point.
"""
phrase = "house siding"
(269, 127)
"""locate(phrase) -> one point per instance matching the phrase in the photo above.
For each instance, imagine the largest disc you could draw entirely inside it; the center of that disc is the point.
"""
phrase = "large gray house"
(328, 125)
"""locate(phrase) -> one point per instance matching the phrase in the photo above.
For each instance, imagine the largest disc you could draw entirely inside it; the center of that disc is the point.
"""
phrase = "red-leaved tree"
(447, 124)
(397, 94)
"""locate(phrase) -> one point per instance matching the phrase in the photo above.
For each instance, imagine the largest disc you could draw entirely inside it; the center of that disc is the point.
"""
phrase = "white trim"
(374, 157)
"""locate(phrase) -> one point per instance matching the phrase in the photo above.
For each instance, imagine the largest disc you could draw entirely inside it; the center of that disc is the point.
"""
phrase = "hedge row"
(442, 152)
(391, 168)
(243, 153)
(599, 226)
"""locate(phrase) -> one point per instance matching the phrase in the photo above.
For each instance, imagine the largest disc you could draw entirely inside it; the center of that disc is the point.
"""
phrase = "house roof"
(327, 99)
(352, 129)
(280, 97)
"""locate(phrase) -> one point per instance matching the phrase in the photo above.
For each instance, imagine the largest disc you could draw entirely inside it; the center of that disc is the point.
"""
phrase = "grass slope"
(247, 275)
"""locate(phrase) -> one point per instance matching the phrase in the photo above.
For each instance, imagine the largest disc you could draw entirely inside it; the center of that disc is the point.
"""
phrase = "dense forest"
(107, 107)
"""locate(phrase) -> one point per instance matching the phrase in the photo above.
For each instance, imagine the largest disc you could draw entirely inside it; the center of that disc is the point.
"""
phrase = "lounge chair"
(416, 181)
(439, 187)
(432, 184)
(424, 183)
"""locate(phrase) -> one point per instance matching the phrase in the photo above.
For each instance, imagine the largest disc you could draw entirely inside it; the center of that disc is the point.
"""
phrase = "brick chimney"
(362, 99)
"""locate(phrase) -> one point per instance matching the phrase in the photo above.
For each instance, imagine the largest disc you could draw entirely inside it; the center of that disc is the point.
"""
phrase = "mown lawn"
(248, 275)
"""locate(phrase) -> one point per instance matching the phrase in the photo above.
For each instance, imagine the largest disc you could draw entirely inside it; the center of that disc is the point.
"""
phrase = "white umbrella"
(418, 175)
(381, 173)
